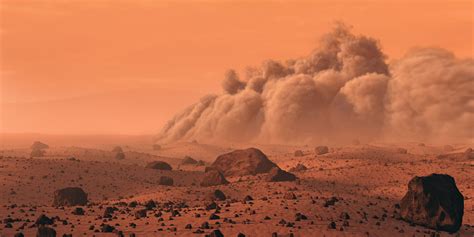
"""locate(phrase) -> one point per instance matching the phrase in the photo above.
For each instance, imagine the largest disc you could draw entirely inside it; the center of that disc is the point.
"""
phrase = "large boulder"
(39, 145)
(433, 201)
(117, 149)
(159, 165)
(37, 153)
(278, 175)
(120, 156)
(156, 147)
(187, 160)
(250, 161)
(213, 177)
(468, 154)
(321, 150)
(167, 181)
(71, 196)
(298, 153)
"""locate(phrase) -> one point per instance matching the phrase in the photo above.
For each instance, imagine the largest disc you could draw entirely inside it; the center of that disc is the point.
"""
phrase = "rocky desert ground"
(132, 188)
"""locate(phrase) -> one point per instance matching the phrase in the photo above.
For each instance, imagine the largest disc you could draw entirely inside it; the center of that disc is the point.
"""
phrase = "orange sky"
(127, 66)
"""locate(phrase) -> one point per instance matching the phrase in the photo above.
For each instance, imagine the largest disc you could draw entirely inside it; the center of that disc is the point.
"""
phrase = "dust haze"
(344, 90)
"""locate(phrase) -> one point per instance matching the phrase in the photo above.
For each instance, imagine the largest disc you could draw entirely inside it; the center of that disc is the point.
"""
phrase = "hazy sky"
(128, 66)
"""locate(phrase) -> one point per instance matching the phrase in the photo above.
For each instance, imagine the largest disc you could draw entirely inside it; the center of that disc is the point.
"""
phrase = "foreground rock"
(250, 161)
(71, 196)
(212, 178)
(433, 201)
(278, 175)
(159, 165)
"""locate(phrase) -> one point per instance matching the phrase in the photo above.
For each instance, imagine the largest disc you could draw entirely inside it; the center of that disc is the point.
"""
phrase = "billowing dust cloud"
(344, 90)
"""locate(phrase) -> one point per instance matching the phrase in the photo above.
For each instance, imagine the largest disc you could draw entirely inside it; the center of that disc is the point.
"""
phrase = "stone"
(250, 161)
(78, 211)
(212, 178)
(71, 196)
(298, 168)
(218, 195)
(159, 165)
(167, 181)
(433, 201)
(117, 149)
(298, 153)
(278, 175)
(39, 145)
(216, 233)
(120, 156)
(321, 150)
(187, 160)
(44, 231)
(43, 220)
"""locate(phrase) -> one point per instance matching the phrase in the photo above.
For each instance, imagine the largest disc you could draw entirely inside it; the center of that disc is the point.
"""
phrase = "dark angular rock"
(218, 195)
(159, 165)
(289, 196)
(71, 196)
(278, 175)
(78, 211)
(433, 201)
(167, 181)
(248, 198)
(214, 217)
(332, 225)
(140, 213)
(109, 211)
(150, 205)
(216, 233)
(107, 228)
(43, 220)
(187, 160)
(44, 231)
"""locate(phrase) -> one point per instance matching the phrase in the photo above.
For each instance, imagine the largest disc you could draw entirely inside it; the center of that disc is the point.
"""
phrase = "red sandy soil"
(368, 180)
